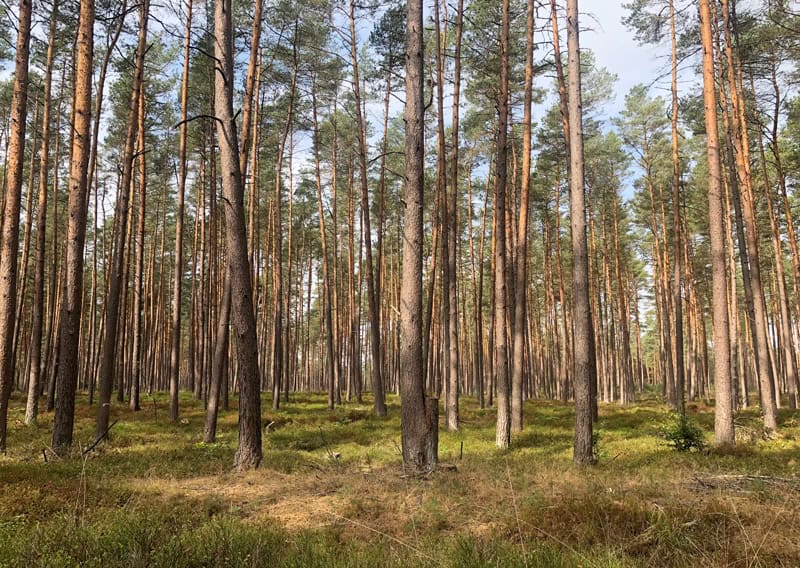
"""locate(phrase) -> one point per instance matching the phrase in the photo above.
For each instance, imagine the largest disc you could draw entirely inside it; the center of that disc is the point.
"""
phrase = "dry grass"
(333, 480)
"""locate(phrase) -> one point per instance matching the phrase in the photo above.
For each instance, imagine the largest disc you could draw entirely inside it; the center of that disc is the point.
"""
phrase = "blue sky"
(617, 50)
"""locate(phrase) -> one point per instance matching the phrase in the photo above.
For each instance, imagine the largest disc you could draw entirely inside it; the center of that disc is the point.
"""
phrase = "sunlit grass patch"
(331, 492)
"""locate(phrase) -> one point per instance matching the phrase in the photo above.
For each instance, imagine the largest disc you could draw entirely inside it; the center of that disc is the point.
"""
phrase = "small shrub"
(683, 434)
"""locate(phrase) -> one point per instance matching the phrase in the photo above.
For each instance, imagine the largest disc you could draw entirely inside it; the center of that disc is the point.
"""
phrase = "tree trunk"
(741, 145)
(67, 379)
(219, 361)
(446, 220)
(521, 251)
(330, 363)
(34, 378)
(117, 267)
(177, 286)
(248, 454)
(680, 379)
(15, 156)
(585, 366)
(419, 418)
(503, 429)
(277, 243)
(138, 299)
(373, 292)
(785, 324)
(723, 414)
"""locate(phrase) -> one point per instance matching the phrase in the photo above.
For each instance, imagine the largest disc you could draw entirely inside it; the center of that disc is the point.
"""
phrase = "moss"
(331, 492)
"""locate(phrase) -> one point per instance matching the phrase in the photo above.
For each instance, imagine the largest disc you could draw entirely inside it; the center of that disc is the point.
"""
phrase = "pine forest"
(399, 283)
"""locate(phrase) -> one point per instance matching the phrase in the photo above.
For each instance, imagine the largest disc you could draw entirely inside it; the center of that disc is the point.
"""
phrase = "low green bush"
(683, 434)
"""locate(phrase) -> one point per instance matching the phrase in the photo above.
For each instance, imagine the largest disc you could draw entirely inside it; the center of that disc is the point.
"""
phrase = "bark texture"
(248, 455)
(418, 421)
(71, 310)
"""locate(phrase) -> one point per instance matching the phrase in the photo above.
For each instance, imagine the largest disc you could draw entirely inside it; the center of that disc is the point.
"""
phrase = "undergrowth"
(682, 434)
(331, 492)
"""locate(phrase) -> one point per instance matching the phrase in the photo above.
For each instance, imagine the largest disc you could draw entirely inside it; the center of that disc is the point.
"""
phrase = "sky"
(616, 49)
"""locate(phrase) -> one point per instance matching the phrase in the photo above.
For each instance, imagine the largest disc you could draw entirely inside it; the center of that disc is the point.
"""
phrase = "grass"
(330, 493)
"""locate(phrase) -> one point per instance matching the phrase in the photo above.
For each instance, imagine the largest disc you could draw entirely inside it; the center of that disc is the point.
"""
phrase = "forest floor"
(331, 492)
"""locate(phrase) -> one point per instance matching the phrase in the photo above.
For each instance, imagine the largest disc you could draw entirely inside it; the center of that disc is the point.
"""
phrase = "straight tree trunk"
(289, 353)
(741, 144)
(454, 384)
(330, 363)
(108, 361)
(677, 248)
(67, 360)
(521, 250)
(373, 293)
(354, 365)
(9, 250)
(34, 377)
(219, 361)
(52, 333)
(568, 350)
(177, 286)
(111, 42)
(337, 341)
(723, 413)
(25, 256)
(248, 455)
(503, 429)
(446, 223)
(585, 365)
(138, 298)
(419, 429)
(277, 243)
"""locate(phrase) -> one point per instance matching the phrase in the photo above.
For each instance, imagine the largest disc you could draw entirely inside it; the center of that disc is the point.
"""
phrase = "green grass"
(331, 492)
